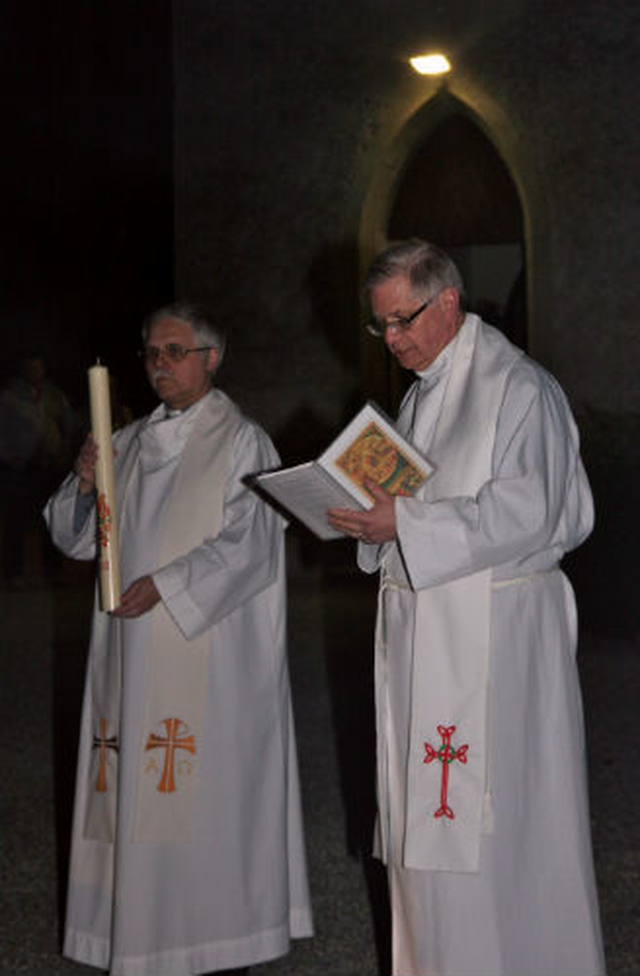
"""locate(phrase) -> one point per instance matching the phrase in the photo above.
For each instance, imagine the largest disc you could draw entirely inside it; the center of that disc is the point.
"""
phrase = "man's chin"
(405, 360)
(162, 386)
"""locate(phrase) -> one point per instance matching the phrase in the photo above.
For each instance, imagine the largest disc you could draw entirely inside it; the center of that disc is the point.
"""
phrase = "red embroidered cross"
(177, 738)
(102, 743)
(446, 754)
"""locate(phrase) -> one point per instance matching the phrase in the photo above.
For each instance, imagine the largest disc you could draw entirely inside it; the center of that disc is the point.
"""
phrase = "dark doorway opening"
(456, 191)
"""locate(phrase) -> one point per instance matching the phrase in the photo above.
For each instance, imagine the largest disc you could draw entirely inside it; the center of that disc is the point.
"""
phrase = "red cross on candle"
(446, 754)
(104, 519)
(177, 737)
(102, 743)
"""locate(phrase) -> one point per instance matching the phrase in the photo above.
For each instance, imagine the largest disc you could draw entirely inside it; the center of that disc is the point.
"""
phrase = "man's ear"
(451, 299)
(213, 358)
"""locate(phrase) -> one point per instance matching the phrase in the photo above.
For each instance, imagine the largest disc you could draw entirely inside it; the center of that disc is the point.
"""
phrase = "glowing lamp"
(430, 64)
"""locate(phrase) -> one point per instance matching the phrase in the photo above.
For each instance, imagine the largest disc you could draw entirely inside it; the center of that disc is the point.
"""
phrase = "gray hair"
(427, 267)
(204, 331)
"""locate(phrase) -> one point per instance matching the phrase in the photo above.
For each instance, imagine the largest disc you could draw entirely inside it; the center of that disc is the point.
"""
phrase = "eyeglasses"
(173, 351)
(402, 323)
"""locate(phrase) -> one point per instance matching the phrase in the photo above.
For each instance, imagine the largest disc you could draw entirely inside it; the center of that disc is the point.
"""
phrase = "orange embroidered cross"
(102, 743)
(446, 754)
(177, 737)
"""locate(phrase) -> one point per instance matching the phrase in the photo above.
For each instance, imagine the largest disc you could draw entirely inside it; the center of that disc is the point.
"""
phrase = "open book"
(369, 447)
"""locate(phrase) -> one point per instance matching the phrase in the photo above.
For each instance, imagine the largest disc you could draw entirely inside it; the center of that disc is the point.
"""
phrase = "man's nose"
(391, 334)
(162, 354)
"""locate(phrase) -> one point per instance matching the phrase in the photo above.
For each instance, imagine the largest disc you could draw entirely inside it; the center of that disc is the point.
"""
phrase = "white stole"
(104, 714)
(447, 763)
(177, 673)
(177, 678)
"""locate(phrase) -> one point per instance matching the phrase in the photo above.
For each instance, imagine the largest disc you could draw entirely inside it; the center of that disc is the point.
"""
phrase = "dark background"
(226, 152)
(234, 151)
(87, 227)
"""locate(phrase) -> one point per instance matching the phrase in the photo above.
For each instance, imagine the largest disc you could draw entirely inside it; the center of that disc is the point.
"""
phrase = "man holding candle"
(187, 848)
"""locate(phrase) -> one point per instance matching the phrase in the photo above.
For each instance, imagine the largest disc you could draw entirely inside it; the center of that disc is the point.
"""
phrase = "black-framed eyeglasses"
(401, 322)
(173, 351)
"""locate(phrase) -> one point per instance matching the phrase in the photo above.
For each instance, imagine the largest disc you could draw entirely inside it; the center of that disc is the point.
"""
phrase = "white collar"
(441, 364)
(165, 434)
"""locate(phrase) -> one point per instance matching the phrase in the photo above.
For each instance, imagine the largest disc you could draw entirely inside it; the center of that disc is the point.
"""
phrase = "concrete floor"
(43, 633)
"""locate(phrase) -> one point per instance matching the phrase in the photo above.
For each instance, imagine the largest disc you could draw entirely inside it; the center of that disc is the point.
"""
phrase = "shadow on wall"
(604, 569)
(332, 282)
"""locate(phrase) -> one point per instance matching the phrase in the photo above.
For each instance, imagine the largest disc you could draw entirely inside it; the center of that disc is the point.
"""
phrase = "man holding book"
(483, 811)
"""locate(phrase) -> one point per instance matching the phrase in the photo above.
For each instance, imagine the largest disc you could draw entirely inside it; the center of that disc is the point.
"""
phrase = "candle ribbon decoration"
(108, 549)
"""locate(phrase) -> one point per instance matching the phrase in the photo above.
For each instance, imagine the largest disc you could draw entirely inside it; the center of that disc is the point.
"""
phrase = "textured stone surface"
(285, 118)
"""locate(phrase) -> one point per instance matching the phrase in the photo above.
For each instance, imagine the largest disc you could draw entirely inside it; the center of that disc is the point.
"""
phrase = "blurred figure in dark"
(37, 426)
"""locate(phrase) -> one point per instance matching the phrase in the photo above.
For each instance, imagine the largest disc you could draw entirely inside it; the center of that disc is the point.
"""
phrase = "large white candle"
(108, 549)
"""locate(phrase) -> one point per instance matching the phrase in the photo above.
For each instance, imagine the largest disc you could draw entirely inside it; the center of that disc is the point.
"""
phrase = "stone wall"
(288, 117)
(292, 123)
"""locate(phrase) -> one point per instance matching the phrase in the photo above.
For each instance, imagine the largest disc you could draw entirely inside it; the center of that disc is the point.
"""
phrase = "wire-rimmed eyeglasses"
(173, 351)
(402, 323)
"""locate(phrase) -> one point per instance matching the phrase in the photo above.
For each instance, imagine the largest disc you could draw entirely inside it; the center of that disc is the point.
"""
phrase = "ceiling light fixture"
(430, 64)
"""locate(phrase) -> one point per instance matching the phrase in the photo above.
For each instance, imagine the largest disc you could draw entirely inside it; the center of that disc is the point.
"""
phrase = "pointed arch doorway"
(452, 187)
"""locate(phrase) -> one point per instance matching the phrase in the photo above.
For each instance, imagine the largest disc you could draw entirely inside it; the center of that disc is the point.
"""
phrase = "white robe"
(531, 907)
(234, 892)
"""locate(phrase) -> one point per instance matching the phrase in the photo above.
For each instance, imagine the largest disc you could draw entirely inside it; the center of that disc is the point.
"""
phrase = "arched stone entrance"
(445, 180)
